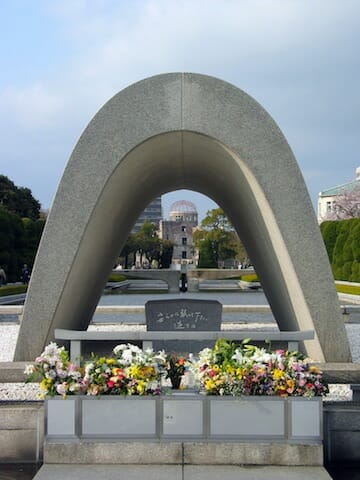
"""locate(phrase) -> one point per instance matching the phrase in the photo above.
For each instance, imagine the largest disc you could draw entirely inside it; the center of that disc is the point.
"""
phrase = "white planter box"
(186, 416)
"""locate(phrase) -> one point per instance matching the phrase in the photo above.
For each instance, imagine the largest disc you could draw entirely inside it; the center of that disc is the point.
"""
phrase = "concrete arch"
(169, 132)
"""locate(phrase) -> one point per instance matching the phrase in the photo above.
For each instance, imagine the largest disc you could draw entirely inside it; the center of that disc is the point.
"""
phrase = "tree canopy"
(18, 200)
(217, 240)
(20, 227)
(147, 243)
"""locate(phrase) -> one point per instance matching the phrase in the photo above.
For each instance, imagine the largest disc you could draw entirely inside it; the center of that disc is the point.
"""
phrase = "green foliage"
(342, 241)
(129, 249)
(18, 200)
(12, 290)
(147, 241)
(20, 228)
(149, 245)
(216, 240)
(207, 257)
(117, 277)
(249, 278)
(167, 248)
(329, 233)
(351, 289)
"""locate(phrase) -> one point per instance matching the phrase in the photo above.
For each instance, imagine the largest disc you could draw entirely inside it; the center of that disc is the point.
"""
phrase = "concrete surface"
(193, 453)
(21, 432)
(168, 132)
(177, 472)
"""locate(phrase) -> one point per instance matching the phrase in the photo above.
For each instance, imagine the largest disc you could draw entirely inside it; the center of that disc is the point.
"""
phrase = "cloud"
(295, 57)
(31, 108)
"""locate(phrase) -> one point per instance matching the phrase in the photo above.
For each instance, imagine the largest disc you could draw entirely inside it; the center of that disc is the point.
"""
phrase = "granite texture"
(192, 453)
(167, 132)
(183, 314)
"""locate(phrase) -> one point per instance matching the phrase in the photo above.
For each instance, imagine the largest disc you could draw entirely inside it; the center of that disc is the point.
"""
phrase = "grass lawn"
(12, 290)
(351, 289)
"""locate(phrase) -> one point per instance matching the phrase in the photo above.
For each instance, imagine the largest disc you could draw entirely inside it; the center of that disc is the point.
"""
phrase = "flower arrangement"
(131, 371)
(58, 375)
(175, 368)
(228, 369)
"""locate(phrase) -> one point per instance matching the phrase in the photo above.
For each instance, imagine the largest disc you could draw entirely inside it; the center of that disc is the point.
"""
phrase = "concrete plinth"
(186, 453)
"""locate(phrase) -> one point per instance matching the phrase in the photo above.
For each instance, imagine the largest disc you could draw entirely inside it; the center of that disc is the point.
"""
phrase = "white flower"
(29, 369)
(61, 389)
(119, 348)
(261, 355)
(239, 357)
(89, 368)
(74, 387)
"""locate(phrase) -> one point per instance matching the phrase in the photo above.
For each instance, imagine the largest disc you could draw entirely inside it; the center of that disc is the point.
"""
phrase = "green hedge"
(342, 241)
(117, 277)
(351, 289)
(12, 290)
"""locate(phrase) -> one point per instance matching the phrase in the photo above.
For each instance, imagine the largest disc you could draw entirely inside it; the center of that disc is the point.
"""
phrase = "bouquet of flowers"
(249, 370)
(175, 368)
(131, 371)
(58, 375)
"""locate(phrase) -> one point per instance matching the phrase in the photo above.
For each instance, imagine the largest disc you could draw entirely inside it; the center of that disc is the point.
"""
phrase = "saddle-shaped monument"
(168, 132)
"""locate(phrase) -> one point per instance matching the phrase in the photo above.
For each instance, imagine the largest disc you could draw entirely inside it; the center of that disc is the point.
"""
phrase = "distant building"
(336, 202)
(152, 213)
(183, 219)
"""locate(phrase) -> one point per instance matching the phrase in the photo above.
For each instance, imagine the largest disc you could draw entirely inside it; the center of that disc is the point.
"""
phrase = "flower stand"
(186, 416)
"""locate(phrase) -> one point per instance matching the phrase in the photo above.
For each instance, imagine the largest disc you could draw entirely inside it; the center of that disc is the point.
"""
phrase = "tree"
(128, 249)
(12, 239)
(18, 200)
(147, 242)
(216, 239)
(167, 248)
(33, 231)
(207, 257)
(347, 205)
(20, 227)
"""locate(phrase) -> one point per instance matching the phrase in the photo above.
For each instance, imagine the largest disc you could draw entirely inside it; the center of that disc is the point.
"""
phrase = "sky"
(60, 61)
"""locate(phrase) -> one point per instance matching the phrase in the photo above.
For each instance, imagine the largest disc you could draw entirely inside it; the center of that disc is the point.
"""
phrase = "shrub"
(342, 242)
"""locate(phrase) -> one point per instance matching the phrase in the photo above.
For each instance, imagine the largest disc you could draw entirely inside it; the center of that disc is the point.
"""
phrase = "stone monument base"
(181, 453)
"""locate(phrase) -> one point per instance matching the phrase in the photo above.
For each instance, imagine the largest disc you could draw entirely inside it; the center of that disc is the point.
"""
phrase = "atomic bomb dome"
(183, 211)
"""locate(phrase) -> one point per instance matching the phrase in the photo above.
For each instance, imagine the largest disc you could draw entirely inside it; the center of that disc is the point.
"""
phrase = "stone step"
(178, 472)
(150, 452)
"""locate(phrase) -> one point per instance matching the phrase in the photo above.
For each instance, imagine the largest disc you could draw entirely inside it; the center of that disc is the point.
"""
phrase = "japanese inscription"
(189, 314)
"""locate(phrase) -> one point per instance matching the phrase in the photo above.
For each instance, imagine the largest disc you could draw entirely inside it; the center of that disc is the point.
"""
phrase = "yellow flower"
(148, 372)
(140, 387)
(135, 371)
(45, 384)
(313, 369)
(110, 361)
(277, 374)
(290, 385)
(210, 384)
(230, 370)
(240, 373)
